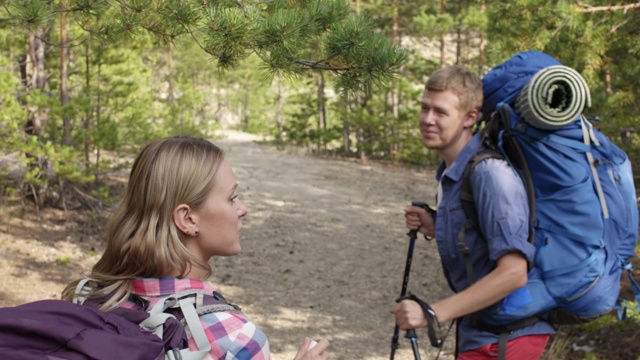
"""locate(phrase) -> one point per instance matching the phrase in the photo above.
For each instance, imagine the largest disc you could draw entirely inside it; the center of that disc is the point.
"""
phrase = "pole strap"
(434, 333)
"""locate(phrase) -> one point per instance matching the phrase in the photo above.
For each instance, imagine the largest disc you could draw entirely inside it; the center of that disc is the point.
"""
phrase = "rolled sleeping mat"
(555, 96)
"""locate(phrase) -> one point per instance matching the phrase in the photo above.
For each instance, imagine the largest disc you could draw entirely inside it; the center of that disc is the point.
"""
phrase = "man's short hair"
(460, 81)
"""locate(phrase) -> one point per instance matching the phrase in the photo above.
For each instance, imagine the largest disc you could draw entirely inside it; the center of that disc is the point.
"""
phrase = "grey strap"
(502, 346)
(191, 303)
(83, 288)
(157, 317)
(155, 323)
(587, 134)
(197, 332)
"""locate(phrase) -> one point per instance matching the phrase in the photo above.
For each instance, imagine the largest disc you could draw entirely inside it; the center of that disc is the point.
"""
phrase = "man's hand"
(418, 218)
(409, 315)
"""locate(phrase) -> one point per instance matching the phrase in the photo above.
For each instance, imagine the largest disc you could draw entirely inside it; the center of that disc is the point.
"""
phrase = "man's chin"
(431, 143)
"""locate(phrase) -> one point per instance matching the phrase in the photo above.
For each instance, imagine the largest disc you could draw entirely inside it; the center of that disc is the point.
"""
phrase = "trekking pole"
(411, 333)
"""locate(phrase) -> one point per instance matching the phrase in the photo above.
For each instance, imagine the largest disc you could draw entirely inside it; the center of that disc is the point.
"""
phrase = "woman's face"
(219, 218)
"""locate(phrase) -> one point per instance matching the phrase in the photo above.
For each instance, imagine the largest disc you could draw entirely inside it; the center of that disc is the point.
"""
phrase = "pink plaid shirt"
(232, 336)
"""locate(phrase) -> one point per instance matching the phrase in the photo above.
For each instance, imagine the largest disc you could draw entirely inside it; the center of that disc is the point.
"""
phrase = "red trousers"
(528, 347)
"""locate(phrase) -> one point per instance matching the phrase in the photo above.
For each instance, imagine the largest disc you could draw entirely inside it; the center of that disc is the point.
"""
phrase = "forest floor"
(323, 254)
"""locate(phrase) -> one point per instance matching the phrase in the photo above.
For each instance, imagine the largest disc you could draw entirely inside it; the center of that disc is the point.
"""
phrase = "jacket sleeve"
(233, 337)
(502, 208)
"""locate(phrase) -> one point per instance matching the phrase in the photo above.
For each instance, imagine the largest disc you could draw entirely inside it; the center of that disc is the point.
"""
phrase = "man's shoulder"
(495, 175)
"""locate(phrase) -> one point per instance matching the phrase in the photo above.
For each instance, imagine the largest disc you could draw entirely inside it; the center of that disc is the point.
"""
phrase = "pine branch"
(321, 65)
(617, 26)
(586, 8)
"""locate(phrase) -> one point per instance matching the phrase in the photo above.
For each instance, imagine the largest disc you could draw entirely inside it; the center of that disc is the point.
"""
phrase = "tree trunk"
(245, 111)
(346, 129)
(360, 142)
(443, 10)
(39, 78)
(322, 113)
(459, 44)
(483, 8)
(171, 96)
(395, 92)
(34, 77)
(362, 101)
(89, 114)
(98, 115)
(279, 104)
(64, 94)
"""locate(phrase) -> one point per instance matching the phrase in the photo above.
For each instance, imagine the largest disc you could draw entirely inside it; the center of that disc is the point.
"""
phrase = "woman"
(180, 208)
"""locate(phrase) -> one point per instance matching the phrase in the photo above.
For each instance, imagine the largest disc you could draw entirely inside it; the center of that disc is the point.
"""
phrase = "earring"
(197, 232)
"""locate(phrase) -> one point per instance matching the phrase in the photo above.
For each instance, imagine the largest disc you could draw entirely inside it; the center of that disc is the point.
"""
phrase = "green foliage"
(11, 191)
(433, 25)
(300, 124)
(595, 43)
(227, 31)
(143, 69)
(11, 134)
(47, 160)
(349, 47)
(31, 14)
(473, 19)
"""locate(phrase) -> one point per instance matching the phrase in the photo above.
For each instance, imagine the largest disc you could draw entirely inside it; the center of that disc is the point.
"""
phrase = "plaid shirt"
(232, 336)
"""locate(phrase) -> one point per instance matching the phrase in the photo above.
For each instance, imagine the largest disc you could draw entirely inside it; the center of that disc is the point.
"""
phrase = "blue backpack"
(582, 200)
(57, 329)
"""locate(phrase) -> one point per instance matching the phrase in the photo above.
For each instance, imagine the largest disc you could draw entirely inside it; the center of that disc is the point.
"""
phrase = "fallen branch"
(88, 200)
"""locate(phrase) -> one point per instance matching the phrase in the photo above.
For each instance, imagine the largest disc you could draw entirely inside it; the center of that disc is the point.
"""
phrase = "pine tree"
(280, 32)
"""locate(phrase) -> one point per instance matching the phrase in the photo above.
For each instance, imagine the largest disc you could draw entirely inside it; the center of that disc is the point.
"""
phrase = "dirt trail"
(323, 251)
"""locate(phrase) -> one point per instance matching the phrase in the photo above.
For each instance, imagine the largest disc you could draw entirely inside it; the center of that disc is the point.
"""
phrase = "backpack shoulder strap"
(466, 192)
(192, 305)
(203, 301)
(469, 207)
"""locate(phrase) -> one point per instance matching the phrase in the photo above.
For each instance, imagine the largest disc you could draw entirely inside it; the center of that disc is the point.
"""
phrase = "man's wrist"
(426, 237)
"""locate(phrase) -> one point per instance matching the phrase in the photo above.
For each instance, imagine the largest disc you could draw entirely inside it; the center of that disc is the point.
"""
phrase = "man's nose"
(426, 117)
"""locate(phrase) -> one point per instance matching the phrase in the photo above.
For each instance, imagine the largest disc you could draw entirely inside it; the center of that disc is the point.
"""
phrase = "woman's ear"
(185, 220)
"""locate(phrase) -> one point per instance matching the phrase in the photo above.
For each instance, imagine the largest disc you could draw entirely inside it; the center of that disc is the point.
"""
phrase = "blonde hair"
(142, 239)
(460, 81)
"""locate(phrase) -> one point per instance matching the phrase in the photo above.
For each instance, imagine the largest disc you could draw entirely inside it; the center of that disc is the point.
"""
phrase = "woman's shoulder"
(230, 321)
(234, 333)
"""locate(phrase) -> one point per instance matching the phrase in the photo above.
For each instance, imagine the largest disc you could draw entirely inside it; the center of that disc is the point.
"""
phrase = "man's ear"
(471, 118)
(185, 220)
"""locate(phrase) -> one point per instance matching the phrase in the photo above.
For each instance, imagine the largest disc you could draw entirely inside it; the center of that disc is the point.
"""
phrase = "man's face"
(442, 122)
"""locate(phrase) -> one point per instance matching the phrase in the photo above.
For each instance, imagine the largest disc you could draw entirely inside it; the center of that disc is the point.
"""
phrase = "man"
(450, 109)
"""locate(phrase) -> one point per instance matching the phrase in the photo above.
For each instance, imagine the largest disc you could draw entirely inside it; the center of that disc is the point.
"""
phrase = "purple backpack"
(57, 329)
